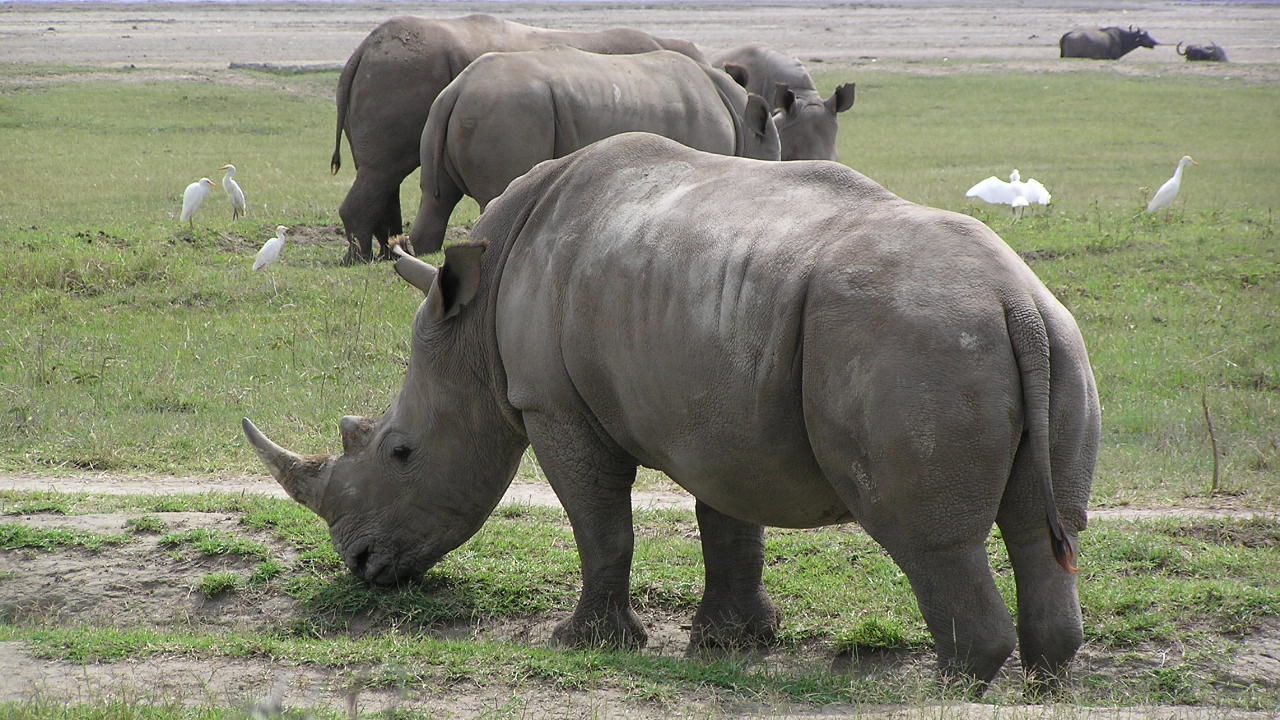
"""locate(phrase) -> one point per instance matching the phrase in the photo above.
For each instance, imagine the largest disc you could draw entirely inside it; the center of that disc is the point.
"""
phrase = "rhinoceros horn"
(304, 478)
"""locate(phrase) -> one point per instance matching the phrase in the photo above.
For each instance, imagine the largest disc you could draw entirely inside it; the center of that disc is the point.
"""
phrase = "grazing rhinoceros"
(388, 85)
(1109, 43)
(792, 343)
(806, 123)
(510, 111)
(1203, 53)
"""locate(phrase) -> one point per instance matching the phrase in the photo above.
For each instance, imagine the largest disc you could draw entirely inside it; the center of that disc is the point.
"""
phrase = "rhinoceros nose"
(359, 561)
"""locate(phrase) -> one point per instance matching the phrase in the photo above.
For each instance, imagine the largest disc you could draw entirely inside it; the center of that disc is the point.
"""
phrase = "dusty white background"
(212, 35)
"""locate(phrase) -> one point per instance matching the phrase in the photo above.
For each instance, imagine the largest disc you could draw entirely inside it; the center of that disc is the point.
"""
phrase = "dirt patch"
(149, 583)
(930, 36)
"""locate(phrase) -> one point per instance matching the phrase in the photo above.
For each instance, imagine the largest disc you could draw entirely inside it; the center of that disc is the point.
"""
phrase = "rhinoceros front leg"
(736, 612)
(593, 483)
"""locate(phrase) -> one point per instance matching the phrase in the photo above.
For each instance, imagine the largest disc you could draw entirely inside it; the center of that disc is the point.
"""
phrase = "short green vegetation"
(147, 524)
(131, 344)
(220, 583)
(15, 536)
(215, 542)
(1201, 586)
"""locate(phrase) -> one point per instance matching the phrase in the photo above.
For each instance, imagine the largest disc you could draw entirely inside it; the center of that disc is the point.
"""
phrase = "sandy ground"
(203, 39)
(894, 32)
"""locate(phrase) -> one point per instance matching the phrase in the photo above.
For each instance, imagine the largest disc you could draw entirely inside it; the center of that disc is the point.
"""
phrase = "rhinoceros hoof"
(618, 629)
(742, 625)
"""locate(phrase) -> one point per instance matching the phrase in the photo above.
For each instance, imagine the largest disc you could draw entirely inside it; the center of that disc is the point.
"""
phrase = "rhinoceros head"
(807, 124)
(419, 481)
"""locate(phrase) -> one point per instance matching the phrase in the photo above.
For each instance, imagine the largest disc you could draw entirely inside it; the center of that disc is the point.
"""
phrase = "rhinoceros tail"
(343, 100)
(1030, 340)
(437, 133)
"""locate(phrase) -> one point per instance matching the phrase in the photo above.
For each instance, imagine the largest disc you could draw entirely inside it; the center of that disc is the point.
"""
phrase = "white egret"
(270, 251)
(195, 194)
(234, 192)
(1017, 193)
(1169, 190)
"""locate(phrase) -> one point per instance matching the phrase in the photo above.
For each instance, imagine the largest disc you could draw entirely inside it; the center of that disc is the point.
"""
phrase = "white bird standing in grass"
(1016, 193)
(1169, 190)
(192, 197)
(270, 251)
(233, 191)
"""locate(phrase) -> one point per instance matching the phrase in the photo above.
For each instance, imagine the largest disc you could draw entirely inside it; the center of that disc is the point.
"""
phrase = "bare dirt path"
(924, 35)
(520, 493)
(143, 584)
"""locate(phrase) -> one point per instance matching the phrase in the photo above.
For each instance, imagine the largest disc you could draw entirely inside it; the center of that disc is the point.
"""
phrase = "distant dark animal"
(1110, 43)
(1206, 53)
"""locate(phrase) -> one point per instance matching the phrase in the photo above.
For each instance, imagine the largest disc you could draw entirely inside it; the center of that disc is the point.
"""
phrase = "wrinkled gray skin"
(1203, 53)
(510, 111)
(806, 123)
(1109, 43)
(386, 90)
(790, 342)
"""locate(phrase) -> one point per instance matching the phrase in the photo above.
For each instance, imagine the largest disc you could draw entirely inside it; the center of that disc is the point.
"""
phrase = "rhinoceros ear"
(785, 97)
(414, 271)
(738, 73)
(758, 116)
(842, 99)
(457, 281)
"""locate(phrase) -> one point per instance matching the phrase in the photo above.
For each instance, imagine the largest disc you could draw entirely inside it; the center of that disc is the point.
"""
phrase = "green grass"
(1094, 139)
(220, 583)
(128, 344)
(215, 542)
(1200, 586)
(15, 536)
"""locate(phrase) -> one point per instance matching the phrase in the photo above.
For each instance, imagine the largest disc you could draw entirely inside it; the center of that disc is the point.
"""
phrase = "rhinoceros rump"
(790, 342)
(389, 82)
(509, 111)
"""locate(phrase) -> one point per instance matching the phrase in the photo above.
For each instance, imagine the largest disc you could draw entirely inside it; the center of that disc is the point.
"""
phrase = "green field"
(129, 344)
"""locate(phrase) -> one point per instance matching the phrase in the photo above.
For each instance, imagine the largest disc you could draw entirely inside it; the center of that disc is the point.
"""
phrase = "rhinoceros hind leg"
(366, 209)
(736, 612)
(593, 483)
(388, 227)
(1050, 628)
(971, 627)
(427, 234)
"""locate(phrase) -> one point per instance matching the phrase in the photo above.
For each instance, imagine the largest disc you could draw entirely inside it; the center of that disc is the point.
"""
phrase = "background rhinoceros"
(790, 342)
(389, 82)
(807, 123)
(510, 111)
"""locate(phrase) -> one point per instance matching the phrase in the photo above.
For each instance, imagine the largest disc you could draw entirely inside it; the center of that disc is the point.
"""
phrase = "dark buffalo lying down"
(1109, 43)
(1207, 53)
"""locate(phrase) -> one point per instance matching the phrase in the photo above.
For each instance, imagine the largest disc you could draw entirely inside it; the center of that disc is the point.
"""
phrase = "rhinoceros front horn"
(304, 478)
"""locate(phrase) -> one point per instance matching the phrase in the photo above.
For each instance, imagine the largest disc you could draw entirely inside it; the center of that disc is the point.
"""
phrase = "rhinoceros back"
(714, 316)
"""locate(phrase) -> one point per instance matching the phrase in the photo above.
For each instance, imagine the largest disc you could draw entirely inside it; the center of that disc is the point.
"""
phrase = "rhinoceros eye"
(401, 452)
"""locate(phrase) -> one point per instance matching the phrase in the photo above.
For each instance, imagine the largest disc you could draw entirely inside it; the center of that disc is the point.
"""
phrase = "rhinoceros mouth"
(384, 569)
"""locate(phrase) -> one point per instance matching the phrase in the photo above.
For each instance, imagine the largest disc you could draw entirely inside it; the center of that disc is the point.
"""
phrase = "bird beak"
(1193, 162)
(224, 167)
